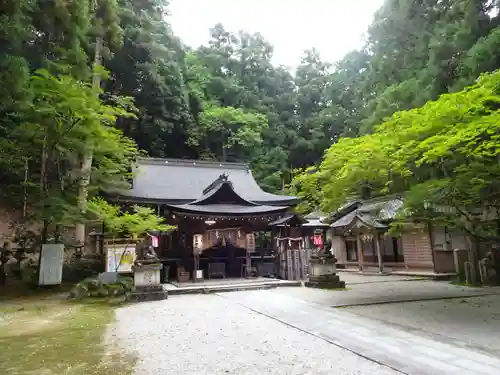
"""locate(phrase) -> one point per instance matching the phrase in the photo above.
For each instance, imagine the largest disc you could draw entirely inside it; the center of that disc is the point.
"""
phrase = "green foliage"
(307, 185)
(442, 156)
(140, 221)
(91, 287)
(39, 151)
(227, 101)
(230, 127)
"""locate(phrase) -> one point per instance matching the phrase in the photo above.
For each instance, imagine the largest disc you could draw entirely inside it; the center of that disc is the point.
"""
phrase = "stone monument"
(146, 269)
(322, 271)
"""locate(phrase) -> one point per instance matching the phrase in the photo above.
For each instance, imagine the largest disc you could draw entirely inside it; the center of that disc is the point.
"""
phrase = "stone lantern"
(322, 271)
(146, 269)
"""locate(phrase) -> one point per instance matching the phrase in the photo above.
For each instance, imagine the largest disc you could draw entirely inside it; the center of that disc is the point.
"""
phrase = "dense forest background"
(226, 100)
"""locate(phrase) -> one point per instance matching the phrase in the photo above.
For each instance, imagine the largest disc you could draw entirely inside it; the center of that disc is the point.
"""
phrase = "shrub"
(92, 287)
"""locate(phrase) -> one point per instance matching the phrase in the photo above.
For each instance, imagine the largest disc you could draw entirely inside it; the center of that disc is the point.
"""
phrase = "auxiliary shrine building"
(221, 213)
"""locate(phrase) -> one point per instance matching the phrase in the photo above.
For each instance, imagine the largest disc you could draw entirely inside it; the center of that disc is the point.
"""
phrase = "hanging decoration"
(367, 237)
(154, 240)
(198, 242)
(210, 219)
(318, 240)
(279, 239)
(250, 242)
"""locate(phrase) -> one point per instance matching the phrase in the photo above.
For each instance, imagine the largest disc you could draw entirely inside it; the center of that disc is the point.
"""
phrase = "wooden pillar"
(250, 246)
(379, 253)
(248, 264)
(361, 259)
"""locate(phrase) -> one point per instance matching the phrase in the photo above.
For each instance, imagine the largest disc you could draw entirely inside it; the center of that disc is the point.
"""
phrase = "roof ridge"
(382, 199)
(193, 163)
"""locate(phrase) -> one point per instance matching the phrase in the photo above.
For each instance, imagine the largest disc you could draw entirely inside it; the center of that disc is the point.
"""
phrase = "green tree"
(443, 157)
(230, 128)
(104, 34)
(38, 156)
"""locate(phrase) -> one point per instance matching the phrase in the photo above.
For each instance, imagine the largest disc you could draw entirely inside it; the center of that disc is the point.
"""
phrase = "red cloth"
(318, 240)
(154, 241)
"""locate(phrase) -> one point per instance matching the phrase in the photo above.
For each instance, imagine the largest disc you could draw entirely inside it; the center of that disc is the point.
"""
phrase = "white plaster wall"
(458, 238)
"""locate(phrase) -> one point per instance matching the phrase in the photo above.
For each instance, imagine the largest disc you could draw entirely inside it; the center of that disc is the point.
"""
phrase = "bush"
(92, 287)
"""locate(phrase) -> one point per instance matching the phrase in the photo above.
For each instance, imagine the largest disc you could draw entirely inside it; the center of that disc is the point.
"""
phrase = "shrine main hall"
(221, 214)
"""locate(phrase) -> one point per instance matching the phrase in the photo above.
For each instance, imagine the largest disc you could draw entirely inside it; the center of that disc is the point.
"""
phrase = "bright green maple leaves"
(442, 154)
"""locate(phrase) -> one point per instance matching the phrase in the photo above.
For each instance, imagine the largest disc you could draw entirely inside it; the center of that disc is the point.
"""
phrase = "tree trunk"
(43, 239)
(224, 153)
(86, 166)
(474, 255)
(25, 193)
(43, 167)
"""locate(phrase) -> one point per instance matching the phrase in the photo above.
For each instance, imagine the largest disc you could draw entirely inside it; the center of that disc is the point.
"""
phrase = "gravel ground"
(382, 292)
(472, 321)
(208, 334)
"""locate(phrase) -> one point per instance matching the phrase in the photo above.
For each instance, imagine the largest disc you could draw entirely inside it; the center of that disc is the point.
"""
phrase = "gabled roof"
(312, 220)
(176, 181)
(289, 220)
(315, 219)
(374, 213)
(220, 198)
(221, 191)
(315, 215)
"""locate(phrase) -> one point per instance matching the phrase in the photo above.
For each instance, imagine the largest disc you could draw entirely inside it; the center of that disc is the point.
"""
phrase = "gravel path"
(208, 334)
(373, 292)
(473, 321)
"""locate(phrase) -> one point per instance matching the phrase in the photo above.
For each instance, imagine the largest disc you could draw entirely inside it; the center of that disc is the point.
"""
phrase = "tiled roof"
(315, 219)
(374, 213)
(315, 223)
(176, 181)
(286, 220)
(315, 215)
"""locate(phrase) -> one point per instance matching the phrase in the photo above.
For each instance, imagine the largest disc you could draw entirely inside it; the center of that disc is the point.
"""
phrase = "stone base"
(144, 294)
(198, 276)
(147, 275)
(325, 282)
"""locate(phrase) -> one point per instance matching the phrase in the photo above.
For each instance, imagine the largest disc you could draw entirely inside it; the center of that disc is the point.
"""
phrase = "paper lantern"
(250, 242)
(197, 241)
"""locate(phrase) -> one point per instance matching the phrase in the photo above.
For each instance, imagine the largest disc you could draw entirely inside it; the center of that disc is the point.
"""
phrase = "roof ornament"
(224, 177)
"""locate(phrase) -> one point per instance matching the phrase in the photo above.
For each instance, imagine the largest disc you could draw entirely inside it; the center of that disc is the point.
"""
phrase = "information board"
(120, 258)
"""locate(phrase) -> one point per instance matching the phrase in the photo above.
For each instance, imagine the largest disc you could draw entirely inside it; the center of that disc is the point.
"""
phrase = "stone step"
(230, 288)
(332, 284)
(147, 295)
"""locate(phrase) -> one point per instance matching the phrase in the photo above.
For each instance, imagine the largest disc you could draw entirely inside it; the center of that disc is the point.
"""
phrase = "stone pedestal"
(322, 274)
(147, 283)
(198, 276)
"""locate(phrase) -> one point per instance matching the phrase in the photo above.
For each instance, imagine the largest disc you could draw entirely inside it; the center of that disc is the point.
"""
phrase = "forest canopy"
(403, 113)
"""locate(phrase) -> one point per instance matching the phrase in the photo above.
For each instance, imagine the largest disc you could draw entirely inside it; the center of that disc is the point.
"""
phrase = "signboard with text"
(120, 258)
